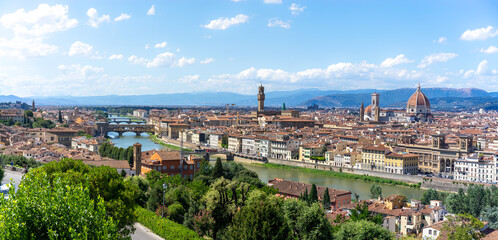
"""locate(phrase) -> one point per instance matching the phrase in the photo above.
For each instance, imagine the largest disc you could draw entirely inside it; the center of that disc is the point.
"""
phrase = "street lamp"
(164, 194)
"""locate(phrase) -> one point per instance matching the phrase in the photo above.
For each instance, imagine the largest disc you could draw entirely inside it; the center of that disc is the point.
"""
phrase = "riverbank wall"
(448, 185)
(392, 176)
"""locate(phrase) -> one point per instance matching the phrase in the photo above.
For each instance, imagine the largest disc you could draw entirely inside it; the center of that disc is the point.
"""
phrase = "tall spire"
(418, 87)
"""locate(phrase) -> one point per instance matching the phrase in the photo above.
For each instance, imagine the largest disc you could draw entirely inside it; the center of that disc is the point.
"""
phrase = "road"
(15, 176)
(143, 233)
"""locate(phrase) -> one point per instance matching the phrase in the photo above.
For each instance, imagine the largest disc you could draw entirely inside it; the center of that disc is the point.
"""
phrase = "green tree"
(60, 116)
(313, 197)
(477, 199)
(463, 227)
(176, 212)
(261, 218)
(458, 203)
(129, 155)
(292, 209)
(360, 212)
(326, 199)
(54, 208)
(18, 123)
(224, 142)
(2, 174)
(490, 214)
(218, 169)
(103, 183)
(312, 223)
(431, 194)
(362, 230)
(375, 191)
(28, 113)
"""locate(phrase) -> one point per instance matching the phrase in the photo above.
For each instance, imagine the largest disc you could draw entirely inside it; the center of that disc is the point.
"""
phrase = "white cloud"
(116, 57)
(135, 60)
(441, 40)
(151, 11)
(122, 17)
(479, 34)
(296, 9)
(207, 61)
(435, 58)
(166, 59)
(275, 22)
(490, 50)
(32, 28)
(93, 18)
(273, 1)
(80, 48)
(390, 62)
(21, 48)
(189, 78)
(341, 75)
(39, 22)
(77, 69)
(481, 71)
(224, 23)
(161, 45)
(147, 46)
(184, 62)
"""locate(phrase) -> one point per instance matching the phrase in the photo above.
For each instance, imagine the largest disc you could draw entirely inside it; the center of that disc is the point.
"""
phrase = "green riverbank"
(364, 178)
(173, 147)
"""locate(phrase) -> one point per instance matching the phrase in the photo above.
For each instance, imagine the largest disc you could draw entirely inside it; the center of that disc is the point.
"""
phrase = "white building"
(264, 147)
(284, 148)
(475, 169)
(214, 139)
(140, 113)
(249, 146)
(235, 143)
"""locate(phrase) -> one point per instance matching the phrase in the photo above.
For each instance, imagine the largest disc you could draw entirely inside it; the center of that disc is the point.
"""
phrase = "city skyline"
(92, 48)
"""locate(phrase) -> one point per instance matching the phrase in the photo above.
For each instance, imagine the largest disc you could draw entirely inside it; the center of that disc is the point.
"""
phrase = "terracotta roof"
(418, 99)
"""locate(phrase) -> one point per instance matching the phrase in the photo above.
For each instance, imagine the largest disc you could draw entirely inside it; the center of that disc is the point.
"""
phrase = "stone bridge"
(124, 120)
(103, 128)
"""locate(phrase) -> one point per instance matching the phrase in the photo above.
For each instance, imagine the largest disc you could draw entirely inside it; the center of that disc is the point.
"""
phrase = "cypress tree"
(305, 197)
(313, 197)
(60, 116)
(326, 199)
(218, 169)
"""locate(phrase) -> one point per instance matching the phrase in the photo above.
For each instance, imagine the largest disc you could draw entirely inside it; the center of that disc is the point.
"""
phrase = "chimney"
(137, 157)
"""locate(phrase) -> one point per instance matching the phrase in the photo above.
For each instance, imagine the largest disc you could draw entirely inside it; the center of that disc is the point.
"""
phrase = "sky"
(92, 48)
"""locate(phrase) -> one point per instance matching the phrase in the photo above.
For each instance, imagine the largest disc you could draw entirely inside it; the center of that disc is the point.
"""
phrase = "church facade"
(418, 109)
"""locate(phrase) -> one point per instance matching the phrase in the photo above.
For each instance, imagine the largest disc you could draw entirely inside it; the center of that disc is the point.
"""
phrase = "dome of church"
(418, 99)
(368, 110)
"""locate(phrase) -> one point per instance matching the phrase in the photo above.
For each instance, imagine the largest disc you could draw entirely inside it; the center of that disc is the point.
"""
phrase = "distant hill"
(296, 98)
(397, 98)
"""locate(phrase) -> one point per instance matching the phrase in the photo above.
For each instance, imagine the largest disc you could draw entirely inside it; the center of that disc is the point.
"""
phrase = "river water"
(356, 186)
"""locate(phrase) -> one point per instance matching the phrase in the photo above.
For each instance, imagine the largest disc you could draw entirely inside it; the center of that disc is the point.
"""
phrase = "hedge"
(164, 227)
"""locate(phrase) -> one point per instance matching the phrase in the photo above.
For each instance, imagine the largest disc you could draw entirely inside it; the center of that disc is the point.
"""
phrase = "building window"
(172, 167)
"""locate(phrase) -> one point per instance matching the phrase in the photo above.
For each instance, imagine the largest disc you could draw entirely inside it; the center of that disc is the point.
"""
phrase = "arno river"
(264, 173)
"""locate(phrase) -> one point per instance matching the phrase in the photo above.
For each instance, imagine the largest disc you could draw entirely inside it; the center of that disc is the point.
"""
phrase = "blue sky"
(82, 48)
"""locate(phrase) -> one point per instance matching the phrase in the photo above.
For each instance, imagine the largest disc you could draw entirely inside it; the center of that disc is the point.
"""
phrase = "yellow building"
(310, 152)
(373, 158)
(401, 163)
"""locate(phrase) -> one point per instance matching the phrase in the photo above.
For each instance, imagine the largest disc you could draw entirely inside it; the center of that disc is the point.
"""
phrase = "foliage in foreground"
(54, 208)
(463, 226)
(103, 183)
(164, 227)
(362, 230)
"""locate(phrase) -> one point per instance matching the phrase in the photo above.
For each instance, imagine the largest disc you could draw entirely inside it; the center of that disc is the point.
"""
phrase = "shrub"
(164, 227)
